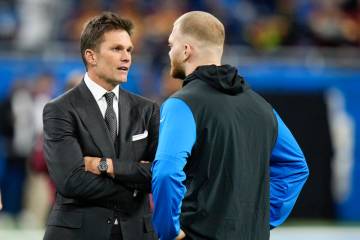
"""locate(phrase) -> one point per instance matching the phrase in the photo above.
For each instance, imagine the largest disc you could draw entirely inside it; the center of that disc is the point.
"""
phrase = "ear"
(187, 52)
(90, 56)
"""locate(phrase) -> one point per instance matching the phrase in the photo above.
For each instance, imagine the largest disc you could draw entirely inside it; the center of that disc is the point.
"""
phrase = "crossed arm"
(77, 176)
(91, 165)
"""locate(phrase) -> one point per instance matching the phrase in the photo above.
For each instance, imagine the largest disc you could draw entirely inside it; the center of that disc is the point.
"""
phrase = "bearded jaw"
(177, 70)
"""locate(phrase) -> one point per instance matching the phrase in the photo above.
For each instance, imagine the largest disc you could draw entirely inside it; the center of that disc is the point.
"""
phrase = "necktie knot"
(109, 98)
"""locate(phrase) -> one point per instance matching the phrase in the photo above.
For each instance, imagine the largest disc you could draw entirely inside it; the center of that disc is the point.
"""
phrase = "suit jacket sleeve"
(65, 161)
(134, 171)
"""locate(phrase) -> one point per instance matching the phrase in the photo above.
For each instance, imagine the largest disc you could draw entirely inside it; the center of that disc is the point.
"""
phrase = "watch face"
(103, 166)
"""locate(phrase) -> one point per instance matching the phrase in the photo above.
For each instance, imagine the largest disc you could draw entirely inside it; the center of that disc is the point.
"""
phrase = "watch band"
(103, 159)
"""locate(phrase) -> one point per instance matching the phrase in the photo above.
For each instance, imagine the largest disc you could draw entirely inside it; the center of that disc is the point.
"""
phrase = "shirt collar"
(98, 91)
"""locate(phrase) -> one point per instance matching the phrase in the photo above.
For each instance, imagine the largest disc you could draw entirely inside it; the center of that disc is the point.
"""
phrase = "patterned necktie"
(110, 117)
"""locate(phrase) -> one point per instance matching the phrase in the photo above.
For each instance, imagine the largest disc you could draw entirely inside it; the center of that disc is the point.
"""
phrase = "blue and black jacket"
(226, 165)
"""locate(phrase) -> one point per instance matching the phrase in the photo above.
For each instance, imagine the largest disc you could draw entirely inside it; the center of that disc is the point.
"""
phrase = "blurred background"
(303, 56)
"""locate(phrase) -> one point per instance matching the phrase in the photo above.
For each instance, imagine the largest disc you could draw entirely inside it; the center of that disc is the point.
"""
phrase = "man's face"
(113, 57)
(176, 55)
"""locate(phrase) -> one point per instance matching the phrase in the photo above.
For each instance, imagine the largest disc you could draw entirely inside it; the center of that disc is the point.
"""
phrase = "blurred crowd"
(262, 24)
(36, 26)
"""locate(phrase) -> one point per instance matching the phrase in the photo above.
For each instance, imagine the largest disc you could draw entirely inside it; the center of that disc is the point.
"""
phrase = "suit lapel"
(90, 114)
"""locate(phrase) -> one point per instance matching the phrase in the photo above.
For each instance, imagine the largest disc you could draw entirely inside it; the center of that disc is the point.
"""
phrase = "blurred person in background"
(16, 128)
(38, 196)
(99, 143)
(40, 189)
(42, 93)
(226, 166)
(38, 21)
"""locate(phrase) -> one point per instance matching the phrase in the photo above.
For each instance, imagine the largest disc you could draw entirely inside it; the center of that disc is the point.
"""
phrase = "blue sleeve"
(288, 173)
(176, 139)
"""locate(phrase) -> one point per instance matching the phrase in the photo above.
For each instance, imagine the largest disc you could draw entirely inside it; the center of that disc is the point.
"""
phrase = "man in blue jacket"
(226, 167)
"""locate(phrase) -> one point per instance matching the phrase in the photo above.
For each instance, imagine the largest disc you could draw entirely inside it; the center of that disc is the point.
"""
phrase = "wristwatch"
(103, 166)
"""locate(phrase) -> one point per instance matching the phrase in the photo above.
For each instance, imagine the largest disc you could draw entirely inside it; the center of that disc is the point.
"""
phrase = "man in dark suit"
(99, 142)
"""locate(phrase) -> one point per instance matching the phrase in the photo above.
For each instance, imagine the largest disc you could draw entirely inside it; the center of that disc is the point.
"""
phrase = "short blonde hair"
(202, 26)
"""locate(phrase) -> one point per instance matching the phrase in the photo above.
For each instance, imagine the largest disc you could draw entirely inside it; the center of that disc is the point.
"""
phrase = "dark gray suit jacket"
(86, 203)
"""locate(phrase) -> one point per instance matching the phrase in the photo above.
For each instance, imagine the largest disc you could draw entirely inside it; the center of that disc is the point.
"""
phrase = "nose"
(126, 57)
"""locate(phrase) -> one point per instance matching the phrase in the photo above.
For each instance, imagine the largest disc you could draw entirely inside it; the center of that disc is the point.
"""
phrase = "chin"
(177, 70)
(121, 79)
(116, 81)
(178, 74)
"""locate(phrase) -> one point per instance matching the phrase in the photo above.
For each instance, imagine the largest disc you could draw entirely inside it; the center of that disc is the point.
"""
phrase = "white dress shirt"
(98, 92)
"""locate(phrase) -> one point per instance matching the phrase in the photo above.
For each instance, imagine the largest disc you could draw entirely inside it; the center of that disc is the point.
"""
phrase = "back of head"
(203, 27)
(95, 29)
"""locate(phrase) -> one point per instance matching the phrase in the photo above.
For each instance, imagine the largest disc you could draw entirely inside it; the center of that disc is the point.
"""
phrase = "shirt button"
(108, 221)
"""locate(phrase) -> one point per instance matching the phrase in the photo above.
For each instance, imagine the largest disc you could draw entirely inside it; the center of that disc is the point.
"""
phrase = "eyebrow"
(131, 47)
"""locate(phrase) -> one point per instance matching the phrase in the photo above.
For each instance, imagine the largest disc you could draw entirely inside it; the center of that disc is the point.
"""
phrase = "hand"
(181, 235)
(91, 164)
